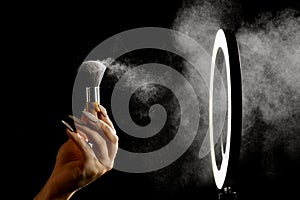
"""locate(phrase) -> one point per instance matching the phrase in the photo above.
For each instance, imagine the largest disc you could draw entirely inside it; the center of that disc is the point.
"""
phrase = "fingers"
(93, 135)
(102, 135)
(101, 114)
(101, 126)
(69, 127)
(103, 148)
(104, 117)
(102, 110)
(80, 142)
(109, 132)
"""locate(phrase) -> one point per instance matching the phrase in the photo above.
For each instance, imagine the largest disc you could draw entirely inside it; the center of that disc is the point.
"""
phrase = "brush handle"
(93, 107)
(93, 94)
(92, 101)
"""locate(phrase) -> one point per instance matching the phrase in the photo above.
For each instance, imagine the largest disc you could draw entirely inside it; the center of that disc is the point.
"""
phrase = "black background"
(44, 45)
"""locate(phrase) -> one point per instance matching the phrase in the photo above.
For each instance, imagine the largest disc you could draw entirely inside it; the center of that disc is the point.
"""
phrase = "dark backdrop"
(45, 44)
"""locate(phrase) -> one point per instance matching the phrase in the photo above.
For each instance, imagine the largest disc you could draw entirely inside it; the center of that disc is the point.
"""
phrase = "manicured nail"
(90, 116)
(67, 125)
(103, 110)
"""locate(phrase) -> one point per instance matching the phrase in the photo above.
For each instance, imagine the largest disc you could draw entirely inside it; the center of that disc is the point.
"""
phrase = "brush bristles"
(91, 73)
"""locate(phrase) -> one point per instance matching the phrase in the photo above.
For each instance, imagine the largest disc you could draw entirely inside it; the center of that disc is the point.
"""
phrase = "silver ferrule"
(92, 94)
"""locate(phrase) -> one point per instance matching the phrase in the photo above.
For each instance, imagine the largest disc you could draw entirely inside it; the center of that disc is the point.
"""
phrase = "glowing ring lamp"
(226, 174)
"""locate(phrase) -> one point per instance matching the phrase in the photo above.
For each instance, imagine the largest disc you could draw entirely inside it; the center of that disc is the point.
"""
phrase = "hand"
(77, 163)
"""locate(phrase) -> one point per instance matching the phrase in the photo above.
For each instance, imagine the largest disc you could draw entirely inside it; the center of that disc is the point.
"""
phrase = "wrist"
(50, 191)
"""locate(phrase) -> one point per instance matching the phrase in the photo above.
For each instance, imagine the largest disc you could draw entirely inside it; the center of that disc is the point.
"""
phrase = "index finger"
(104, 116)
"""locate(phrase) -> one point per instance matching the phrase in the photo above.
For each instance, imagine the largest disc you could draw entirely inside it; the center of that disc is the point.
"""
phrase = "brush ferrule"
(92, 94)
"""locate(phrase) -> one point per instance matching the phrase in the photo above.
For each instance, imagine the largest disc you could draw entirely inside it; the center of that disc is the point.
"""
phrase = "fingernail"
(90, 116)
(75, 119)
(103, 110)
(67, 125)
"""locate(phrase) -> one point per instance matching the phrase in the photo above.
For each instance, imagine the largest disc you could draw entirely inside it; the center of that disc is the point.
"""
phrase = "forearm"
(51, 192)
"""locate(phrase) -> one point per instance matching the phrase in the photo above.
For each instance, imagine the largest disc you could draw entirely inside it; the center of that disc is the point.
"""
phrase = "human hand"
(77, 163)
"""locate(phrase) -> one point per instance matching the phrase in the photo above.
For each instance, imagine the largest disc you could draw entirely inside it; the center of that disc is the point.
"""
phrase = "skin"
(77, 164)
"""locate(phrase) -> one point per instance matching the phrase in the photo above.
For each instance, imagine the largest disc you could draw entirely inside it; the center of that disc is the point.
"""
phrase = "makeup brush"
(91, 73)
